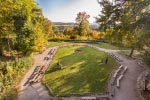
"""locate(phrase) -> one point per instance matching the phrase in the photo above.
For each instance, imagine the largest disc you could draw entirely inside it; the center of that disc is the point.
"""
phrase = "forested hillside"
(23, 30)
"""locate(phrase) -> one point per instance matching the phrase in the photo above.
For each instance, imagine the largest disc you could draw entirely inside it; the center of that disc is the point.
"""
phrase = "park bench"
(39, 69)
(43, 70)
(118, 80)
(36, 70)
(51, 56)
(125, 69)
(52, 51)
(116, 57)
(37, 74)
(46, 58)
(120, 71)
(49, 53)
(117, 71)
(116, 74)
(38, 78)
(121, 67)
(33, 78)
(111, 54)
(112, 81)
(102, 97)
(88, 98)
(112, 93)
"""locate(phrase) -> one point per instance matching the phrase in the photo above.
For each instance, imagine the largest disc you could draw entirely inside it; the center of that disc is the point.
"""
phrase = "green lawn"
(81, 73)
(52, 44)
(99, 44)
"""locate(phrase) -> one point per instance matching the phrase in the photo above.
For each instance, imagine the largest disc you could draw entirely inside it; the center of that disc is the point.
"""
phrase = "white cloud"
(68, 12)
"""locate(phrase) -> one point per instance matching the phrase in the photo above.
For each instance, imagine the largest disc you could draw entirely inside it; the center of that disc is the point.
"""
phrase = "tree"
(96, 35)
(55, 30)
(47, 26)
(83, 23)
(123, 18)
(39, 41)
(104, 17)
(7, 35)
(27, 20)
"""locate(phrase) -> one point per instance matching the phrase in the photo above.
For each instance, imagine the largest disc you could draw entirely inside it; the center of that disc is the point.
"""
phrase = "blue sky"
(66, 10)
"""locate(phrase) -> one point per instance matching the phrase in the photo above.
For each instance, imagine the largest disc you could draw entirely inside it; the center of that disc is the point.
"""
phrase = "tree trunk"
(8, 43)
(1, 51)
(132, 51)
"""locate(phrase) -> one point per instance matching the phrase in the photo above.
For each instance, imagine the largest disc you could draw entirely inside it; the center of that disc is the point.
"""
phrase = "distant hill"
(92, 25)
(63, 23)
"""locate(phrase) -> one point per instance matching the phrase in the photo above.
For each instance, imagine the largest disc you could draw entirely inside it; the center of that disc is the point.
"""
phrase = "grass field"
(52, 44)
(81, 73)
(99, 44)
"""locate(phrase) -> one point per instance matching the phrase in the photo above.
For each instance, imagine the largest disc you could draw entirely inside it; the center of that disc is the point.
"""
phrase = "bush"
(9, 81)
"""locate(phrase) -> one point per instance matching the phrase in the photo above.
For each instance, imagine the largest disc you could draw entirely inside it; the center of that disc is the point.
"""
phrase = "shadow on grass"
(85, 74)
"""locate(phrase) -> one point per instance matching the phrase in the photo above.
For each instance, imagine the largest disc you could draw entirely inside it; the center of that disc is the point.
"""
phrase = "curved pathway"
(127, 90)
(35, 91)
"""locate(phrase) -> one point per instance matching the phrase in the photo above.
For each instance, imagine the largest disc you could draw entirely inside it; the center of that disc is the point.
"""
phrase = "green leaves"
(83, 23)
(125, 22)
(20, 22)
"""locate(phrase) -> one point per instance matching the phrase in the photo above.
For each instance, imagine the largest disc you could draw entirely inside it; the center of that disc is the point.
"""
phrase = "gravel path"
(128, 88)
(127, 91)
(35, 91)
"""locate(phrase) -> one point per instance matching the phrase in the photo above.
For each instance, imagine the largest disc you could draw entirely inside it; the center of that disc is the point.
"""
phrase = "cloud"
(68, 12)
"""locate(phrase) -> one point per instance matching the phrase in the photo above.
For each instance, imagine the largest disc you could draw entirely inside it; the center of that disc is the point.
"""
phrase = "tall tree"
(83, 23)
(18, 19)
(7, 35)
(123, 18)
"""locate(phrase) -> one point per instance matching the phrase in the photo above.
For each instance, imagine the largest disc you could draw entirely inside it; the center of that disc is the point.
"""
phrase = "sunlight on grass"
(81, 73)
(52, 44)
(99, 44)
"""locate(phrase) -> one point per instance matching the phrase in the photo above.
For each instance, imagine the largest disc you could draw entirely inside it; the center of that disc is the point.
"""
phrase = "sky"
(66, 10)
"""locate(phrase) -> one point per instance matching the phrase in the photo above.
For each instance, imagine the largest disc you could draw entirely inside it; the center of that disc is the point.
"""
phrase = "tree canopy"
(23, 26)
(83, 23)
(125, 21)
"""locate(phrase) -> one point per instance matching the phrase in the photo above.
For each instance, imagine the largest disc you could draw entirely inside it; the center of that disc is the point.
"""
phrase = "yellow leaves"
(96, 34)
(40, 39)
(82, 17)
(9, 69)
